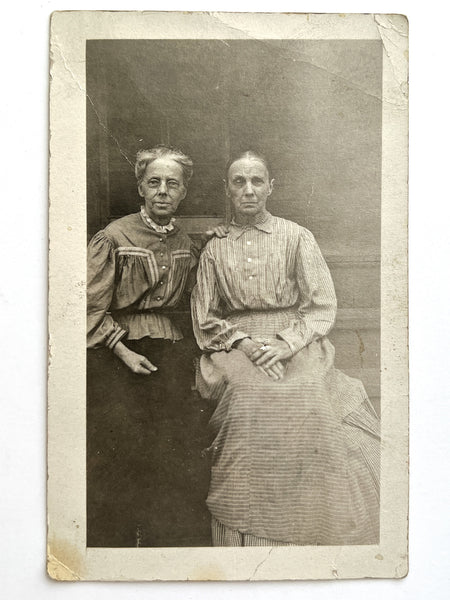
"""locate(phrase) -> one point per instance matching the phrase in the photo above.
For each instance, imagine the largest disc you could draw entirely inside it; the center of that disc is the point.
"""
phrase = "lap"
(284, 465)
(313, 361)
(310, 373)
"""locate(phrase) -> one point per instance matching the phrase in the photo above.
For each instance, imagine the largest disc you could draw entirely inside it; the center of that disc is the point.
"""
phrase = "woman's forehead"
(164, 166)
(249, 167)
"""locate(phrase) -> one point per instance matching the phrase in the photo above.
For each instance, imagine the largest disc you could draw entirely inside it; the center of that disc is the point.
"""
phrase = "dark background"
(313, 108)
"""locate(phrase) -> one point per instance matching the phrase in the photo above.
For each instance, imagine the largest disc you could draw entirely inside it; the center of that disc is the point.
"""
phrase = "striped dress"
(294, 461)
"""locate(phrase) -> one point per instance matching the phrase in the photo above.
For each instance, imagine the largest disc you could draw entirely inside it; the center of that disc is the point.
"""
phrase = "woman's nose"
(162, 188)
(248, 189)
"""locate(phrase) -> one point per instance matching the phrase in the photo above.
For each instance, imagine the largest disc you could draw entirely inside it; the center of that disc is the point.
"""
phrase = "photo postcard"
(228, 341)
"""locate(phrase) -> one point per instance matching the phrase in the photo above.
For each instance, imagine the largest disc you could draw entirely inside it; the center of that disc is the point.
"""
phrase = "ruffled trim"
(154, 325)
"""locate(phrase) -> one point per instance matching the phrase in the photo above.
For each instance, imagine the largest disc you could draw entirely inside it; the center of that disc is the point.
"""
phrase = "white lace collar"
(158, 228)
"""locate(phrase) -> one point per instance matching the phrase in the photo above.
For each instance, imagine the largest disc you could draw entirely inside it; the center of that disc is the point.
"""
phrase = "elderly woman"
(296, 448)
(144, 481)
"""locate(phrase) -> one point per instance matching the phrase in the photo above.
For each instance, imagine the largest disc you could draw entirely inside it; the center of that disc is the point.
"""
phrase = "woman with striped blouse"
(295, 457)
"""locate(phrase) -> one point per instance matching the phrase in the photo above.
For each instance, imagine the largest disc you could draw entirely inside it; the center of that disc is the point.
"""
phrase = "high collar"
(158, 228)
(263, 223)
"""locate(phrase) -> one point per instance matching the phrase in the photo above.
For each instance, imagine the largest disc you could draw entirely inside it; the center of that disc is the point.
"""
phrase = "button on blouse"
(289, 272)
(125, 268)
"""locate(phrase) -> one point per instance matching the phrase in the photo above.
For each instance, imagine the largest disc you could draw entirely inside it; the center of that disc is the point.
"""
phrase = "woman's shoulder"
(291, 228)
(210, 249)
(121, 226)
(215, 245)
(215, 249)
(182, 234)
(114, 233)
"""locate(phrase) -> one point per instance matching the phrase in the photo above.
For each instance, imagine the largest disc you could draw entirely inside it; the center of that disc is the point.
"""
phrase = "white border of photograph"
(68, 557)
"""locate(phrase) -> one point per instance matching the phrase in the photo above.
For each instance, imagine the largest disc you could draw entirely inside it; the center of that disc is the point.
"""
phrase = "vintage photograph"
(234, 205)
(186, 135)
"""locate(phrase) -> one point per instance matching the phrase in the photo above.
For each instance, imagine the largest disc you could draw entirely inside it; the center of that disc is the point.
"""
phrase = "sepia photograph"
(235, 276)
(184, 118)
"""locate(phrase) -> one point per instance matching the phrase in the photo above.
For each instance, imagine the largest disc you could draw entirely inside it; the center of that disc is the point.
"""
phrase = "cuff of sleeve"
(237, 335)
(116, 336)
(293, 340)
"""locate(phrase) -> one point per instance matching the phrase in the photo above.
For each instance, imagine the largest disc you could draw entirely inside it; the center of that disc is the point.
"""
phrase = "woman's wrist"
(242, 343)
(120, 349)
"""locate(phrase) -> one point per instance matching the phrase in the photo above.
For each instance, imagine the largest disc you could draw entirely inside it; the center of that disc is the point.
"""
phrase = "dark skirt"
(147, 477)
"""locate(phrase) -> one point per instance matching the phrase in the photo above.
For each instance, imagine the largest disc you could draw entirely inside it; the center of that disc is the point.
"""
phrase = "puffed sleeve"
(212, 332)
(317, 299)
(102, 330)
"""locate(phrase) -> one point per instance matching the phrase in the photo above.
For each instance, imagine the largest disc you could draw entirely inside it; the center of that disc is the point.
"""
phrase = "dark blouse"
(134, 275)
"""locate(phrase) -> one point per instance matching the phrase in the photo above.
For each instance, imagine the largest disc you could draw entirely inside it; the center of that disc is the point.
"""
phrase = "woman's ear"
(271, 182)
(140, 191)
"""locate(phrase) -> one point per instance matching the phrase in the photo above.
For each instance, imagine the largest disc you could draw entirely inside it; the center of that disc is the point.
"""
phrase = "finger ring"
(264, 347)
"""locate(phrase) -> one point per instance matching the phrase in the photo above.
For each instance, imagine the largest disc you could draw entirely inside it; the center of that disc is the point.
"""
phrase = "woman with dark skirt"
(146, 481)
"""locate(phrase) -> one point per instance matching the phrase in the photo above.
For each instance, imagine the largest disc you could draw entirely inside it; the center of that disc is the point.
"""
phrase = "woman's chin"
(248, 211)
(161, 213)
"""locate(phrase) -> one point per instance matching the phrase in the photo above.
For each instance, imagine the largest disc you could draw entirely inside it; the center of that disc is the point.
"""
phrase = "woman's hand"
(136, 362)
(219, 231)
(270, 353)
(249, 347)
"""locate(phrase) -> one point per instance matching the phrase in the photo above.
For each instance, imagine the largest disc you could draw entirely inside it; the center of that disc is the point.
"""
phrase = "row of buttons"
(164, 267)
(250, 259)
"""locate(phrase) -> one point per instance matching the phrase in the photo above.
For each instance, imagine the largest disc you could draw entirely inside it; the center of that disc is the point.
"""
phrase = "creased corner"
(402, 569)
(59, 571)
(64, 561)
(393, 31)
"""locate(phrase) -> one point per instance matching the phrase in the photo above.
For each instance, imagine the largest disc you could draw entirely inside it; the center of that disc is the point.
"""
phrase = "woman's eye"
(153, 182)
(173, 184)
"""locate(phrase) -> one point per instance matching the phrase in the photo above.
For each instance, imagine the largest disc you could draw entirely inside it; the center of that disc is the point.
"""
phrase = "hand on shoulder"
(219, 231)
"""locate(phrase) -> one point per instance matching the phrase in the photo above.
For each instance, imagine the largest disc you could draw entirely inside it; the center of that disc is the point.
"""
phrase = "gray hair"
(145, 157)
(249, 155)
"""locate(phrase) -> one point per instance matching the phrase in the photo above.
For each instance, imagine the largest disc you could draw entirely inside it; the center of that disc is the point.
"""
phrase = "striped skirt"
(294, 461)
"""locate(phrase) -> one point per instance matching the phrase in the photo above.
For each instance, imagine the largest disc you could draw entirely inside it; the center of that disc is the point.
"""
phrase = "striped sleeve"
(102, 330)
(212, 332)
(317, 299)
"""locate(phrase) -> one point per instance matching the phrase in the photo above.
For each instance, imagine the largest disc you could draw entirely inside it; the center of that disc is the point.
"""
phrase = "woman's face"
(248, 187)
(163, 189)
